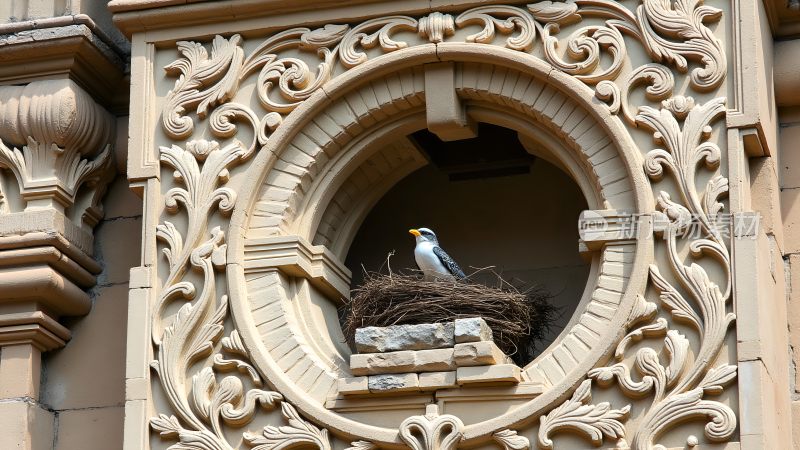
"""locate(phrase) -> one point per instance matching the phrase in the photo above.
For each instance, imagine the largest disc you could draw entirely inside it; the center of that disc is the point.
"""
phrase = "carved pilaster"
(55, 163)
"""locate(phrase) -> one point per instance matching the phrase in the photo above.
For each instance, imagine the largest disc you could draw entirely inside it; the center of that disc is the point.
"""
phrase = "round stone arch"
(275, 269)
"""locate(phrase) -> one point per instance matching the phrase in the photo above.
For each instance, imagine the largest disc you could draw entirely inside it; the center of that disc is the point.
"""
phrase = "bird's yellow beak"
(415, 232)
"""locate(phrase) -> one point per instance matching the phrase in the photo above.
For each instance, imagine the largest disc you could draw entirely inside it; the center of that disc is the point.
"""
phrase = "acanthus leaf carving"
(432, 431)
(297, 434)
(201, 404)
(671, 34)
(56, 144)
(196, 71)
(513, 20)
(679, 388)
(579, 415)
(510, 440)
(362, 445)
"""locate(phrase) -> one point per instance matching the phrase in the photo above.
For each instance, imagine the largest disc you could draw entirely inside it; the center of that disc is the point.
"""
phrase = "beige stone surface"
(376, 363)
(26, 426)
(498, 373)
(20, 371)
(121, 201)
(437, 380)
(90, 429)
(68, 369)
(794, 315)
(765, 191)
(789, 136)
(478, 354)
(118, 259)
(353, 385)
(434, 360)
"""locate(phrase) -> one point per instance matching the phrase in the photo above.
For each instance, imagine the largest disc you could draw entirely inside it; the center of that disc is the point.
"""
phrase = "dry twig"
(518, 318)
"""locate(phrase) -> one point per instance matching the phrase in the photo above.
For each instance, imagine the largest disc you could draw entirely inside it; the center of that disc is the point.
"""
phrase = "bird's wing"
(448, 262)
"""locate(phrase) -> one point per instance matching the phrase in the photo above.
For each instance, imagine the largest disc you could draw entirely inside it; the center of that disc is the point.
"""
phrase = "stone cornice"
(66, 47)
(132, 16)
(34, 328)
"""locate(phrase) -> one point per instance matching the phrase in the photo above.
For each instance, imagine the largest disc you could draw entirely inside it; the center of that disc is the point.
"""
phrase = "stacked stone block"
(427, 357)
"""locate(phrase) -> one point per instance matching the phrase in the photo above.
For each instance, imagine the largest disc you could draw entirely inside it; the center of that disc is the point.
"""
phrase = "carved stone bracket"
(55, 162)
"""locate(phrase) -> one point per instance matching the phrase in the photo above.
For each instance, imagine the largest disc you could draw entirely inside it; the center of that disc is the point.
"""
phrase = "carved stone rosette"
(259, 135)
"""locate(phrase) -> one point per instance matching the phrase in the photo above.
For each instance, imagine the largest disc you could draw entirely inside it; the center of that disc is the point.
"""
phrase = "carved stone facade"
(261, 136)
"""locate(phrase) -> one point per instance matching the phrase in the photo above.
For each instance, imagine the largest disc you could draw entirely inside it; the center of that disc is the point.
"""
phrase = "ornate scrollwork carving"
(201, 405)
(670, 34)
(673, 34)
(579, 415)
(432, 431)
(298, 433)
(680, 386)
(510, 440)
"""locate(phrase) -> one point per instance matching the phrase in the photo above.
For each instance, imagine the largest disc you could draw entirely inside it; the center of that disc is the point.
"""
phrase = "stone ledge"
(380, 384)
(433, 381)
(499, 373)
(478, 354)
(425, 336)
(473, 329)
(35, 328)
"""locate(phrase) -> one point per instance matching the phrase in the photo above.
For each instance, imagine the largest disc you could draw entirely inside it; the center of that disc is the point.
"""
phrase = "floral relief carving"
(679, 388)
(510, 440)
(670, 33)
(432, 431)
(680, 380)
(579, 415)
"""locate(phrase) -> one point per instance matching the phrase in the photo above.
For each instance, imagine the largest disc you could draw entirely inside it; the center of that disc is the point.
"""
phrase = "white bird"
(431, 259)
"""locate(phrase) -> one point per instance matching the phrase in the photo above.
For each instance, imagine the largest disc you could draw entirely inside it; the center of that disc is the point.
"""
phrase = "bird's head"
(424, 234)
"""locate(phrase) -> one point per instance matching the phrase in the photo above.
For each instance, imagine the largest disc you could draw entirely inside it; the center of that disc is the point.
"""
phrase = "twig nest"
(518, 319)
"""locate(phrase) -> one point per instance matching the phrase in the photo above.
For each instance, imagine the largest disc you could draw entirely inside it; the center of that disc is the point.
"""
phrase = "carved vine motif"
(202, 404)
(678, 388)
(579, 415)
(671, 33)
(510, 440)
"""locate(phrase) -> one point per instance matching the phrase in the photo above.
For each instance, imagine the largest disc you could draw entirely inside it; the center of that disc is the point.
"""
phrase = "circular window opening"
(491, 204)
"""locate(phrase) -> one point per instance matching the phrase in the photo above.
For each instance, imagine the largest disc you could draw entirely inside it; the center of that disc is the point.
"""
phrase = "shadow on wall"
(524, 225)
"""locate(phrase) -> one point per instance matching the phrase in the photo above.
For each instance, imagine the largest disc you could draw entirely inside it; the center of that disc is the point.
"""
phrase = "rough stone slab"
(432, 381)
(354, 385)
(434, 360)
(379, 363)
(405, 337)
(379, 384)
(478, 354)
(473, 329)
(499, 373)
